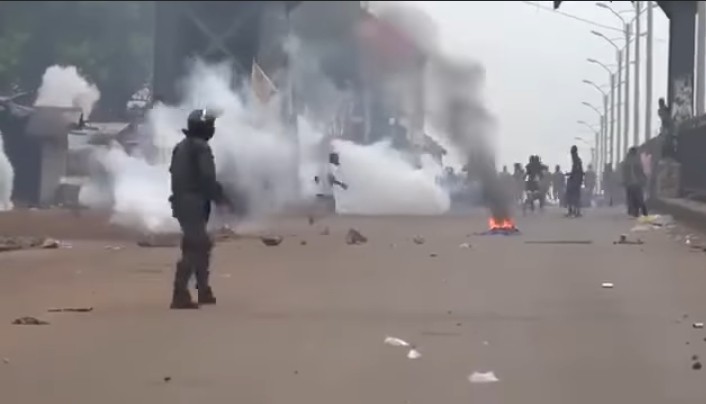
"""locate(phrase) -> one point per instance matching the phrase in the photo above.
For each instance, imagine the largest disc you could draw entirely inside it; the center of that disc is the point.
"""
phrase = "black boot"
(206, 296)
(181, 299)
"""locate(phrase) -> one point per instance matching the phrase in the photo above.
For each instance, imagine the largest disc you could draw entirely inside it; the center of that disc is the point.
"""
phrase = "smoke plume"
(456, 112)
(63, 86)
(7, 176)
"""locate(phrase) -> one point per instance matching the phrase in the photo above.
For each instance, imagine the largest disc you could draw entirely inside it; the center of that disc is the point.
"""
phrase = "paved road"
(306, 323)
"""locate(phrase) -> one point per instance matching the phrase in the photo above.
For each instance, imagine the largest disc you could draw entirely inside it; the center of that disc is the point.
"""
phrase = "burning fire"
(501, 224)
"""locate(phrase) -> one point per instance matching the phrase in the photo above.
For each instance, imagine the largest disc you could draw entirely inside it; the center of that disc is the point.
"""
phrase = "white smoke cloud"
(7, 176)
(63, 86)
(381, 181)
(258, 159)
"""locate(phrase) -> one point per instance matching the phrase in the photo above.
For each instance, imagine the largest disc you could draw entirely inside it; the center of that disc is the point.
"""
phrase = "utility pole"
(700, 57)
(612, 120)
(626, 129)
(604, 140)
(636, 117)
(648, 74)
(618, 108)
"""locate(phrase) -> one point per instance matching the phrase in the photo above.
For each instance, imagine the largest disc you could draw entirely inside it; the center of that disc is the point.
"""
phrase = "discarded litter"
(418, 240)
(413, 354)
(325, 231)
(624, 240)
(607, 285)
(354, 237)
(50, 243)
(698, 325)
(396, 341)
(29, 321)
(271, 241)
(167, 379)
(71, 310)
(656, 220)
(483, 377)
(464, 245)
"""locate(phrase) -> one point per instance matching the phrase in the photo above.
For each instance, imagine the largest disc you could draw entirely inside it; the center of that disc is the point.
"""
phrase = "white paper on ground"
(483, 377)
(396, 341)
(414, 354)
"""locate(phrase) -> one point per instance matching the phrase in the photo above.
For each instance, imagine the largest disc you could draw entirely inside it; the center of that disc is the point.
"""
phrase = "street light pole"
(648, 74)
(604, 140)
(700, 55)
(626, 129)
(619, 121)
(636, 133)
(612, 119)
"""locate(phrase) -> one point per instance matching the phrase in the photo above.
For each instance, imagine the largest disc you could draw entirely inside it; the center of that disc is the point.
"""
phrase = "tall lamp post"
(609, 138)
(601, 120)
(601, 146)
(626, 33)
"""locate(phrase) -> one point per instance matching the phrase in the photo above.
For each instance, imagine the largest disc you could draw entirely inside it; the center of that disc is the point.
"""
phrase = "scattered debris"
(696, 365)
(413, 354)
(433, 255)
(559, 242)
(50, 243)
(271, 241)
(607, 285)
(113, 247)
(21, 243)
(698, 325)
(167, 379)
(159, 241)
(624, 240)
(483, 377)
(29, 321)
(71, 310)
(464, 245)
(396, 342)
(353, 237)
(419, 240)
(656, 220)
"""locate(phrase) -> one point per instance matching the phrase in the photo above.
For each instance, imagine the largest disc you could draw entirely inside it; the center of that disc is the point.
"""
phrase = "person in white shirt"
(327, 180)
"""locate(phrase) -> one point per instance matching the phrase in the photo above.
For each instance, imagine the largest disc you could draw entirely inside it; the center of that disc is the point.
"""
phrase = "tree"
(110, 42)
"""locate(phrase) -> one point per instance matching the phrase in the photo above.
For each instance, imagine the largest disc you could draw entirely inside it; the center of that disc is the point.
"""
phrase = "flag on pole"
(262, 86)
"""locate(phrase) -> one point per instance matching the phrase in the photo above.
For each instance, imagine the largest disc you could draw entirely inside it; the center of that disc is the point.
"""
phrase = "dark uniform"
(573, 185)
(194, 187)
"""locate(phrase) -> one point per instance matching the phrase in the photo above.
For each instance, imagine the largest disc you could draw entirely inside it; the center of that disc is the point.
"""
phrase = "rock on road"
(306, 322)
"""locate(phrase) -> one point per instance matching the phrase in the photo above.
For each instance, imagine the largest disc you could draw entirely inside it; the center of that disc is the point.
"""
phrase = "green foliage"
(108, 41)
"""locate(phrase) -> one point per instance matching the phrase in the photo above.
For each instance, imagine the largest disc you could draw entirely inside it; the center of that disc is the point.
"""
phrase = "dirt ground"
(306, 321)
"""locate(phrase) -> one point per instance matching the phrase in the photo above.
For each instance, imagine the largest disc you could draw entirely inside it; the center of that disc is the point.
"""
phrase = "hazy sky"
(536, 60)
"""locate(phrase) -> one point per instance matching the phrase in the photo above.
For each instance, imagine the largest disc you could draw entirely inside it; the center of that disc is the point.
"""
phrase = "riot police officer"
(194, 188)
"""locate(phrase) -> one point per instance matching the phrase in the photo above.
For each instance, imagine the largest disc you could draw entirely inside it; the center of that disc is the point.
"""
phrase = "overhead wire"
(575, 17)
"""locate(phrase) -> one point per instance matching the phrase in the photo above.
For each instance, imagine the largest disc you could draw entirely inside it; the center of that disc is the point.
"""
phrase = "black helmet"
(201, 124)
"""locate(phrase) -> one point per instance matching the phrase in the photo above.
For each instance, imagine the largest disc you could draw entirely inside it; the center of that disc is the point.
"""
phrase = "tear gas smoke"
(382, 182)
(455, 112)
(257, 162)
(63, 86)
(7, 176)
